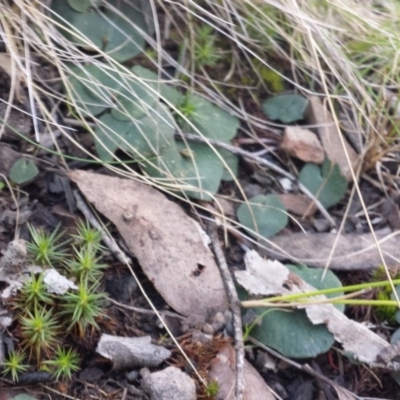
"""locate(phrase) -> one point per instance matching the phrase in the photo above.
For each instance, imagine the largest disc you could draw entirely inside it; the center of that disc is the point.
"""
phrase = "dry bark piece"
(126, 352)
(356, 339)
(303, 144)
(166, 242)
(318, 114)
(223, 371)
(352, 252)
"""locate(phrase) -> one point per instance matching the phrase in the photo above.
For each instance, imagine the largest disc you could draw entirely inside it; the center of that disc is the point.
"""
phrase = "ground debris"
(125, 352)
(357, 340)
(353, 251)
(163, 238)
(170, 383)
(303, 144)
(319, 115)
(223, 372)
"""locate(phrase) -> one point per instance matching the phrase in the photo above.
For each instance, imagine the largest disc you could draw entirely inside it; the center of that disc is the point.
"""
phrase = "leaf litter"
(166, 242)
(267, 278)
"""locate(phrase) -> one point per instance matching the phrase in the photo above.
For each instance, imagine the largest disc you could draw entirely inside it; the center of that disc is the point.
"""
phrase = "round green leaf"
(286, 108)
(23, 171)
(325, 183)
(104, 29)
(291, 332)
(196, 176)
(211, 121)
(265, 215)
(144, 137)
(83, 5)
(166, 92)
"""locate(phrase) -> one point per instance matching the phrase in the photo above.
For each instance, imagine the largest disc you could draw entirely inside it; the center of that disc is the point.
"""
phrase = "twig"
(144, 310)
(306, 368)
(234, 305)
(262, 161)
(108, 241)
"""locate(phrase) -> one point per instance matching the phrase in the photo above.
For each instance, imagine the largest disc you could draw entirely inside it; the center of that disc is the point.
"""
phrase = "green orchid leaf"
(83, 6)
(265, 215)
(325, 183)
(144, 137)
(286, 108)
(117, 34)
(290, 332)
(23, 171)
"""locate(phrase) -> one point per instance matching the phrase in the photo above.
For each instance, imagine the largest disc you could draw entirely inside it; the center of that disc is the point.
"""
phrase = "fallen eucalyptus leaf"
(163, 238)
(352, 251)
(318, 115)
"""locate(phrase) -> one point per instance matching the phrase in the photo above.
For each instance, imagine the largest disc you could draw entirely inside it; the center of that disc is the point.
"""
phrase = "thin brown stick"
(262, 161)
(234, 305)
(108, 241)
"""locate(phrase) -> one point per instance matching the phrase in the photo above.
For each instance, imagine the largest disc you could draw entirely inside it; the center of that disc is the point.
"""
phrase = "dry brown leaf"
(318, 114)
(356, 339)
(298, 204)
(352, 252)
(167, 243)
(303, 144)
(223, 371)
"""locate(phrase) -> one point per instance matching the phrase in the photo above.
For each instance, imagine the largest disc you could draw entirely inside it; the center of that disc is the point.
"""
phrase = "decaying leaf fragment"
(223, 371)
(166, 242)
(352, 251)
(266, 278)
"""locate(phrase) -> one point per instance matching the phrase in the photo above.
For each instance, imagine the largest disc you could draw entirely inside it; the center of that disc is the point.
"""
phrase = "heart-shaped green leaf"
(291, 332)
(166, 92)
(286, 108)
(115, 33)
(265, 215)
(211, 121)
(325, 183)
(23, 171)
(195, 169)
(83, 6)
(144, 137)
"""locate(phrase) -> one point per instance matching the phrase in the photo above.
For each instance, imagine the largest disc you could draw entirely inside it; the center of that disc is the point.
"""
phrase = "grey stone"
(170, 383)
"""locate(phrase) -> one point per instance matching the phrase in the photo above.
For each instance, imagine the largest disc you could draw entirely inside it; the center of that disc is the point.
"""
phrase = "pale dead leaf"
(355, 338)
(319, 115)
(352, 252)
(163, 238)
(303, 144)
(223, 371)
(298, 204)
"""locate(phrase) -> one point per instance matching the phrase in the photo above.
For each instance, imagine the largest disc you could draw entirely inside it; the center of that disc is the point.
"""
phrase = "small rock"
(218, 322)
(303, 144)
(208, 329)
(133, 375)
(127, 352)
(170, 383)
